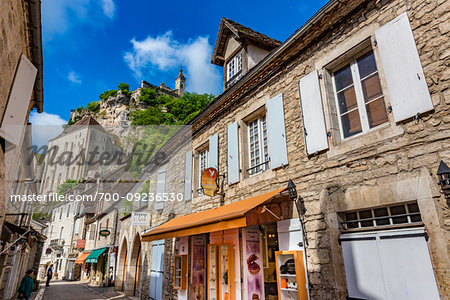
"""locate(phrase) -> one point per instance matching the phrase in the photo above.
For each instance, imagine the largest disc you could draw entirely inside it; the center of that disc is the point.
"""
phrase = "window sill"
(365, 139)
(253, 179)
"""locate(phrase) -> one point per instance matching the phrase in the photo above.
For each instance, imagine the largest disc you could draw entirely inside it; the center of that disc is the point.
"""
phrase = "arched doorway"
(135, 264)
(122, 267)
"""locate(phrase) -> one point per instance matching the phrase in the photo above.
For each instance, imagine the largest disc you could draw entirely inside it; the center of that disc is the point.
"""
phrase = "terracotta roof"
(243, 34)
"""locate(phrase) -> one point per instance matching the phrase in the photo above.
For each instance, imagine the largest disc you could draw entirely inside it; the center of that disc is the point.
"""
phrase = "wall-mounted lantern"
(444, 178)
(292, 190)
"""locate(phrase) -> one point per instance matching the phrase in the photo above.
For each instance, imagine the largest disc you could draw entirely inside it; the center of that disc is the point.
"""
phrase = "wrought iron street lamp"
(292, 190)
(444, 178)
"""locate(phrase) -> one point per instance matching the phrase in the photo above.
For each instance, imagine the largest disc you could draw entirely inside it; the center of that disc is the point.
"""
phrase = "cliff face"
(114, 111)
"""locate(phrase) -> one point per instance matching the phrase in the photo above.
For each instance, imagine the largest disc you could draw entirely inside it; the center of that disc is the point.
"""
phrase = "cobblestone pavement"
(80, 291)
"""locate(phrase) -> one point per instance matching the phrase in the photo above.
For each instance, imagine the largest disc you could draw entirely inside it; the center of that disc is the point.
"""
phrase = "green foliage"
(125, 88)
(94, 107)
(149, 96)
(80, 109)
(39, 216)
(67, 185)
(106, 94)
(168, 110)
(127, 207)
(76, 119)
(146, 146)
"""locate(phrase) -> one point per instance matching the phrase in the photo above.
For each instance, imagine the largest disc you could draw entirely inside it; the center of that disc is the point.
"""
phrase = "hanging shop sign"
(104, 232)
(209, 181)
(140, 219)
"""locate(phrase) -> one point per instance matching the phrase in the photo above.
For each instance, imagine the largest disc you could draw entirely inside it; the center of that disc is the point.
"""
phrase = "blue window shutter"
(277, 132)
(188, 176)
(160, 189)
(156, 271)
(407, 87)
(233, 153)
(314, 129)
(213, 155)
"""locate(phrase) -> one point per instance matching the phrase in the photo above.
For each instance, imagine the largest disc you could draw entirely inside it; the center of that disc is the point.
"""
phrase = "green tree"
(67, 185)
(94, 107)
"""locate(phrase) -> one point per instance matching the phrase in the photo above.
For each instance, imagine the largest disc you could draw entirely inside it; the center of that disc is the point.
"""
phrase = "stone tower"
(179, 83)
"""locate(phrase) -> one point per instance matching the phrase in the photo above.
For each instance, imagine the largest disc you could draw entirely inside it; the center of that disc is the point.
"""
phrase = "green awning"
(93, 257)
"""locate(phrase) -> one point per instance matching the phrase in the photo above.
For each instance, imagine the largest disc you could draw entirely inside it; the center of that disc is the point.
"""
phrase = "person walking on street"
(26, 286)
(49, 275)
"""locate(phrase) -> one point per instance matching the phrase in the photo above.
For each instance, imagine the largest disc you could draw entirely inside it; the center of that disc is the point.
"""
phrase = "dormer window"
(234, 69)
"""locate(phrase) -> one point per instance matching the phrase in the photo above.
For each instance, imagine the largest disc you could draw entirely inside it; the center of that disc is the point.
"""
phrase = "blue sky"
(93, 45)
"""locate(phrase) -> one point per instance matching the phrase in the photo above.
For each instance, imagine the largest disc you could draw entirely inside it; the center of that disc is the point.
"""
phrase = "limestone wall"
(393, 164)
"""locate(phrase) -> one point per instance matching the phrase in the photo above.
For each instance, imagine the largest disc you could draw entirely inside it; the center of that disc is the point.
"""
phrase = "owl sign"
(209, 181)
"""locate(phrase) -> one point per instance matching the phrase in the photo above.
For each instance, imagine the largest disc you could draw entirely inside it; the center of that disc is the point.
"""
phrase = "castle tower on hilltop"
(179, 83)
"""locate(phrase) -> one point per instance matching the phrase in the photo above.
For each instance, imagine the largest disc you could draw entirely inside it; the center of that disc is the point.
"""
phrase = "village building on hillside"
(82, 144)
(326, 152)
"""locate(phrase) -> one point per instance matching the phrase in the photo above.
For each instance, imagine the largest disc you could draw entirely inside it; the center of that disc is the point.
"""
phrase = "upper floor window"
(234, 69)
(359, 97)
(68, 211)
(258, 146)
(202, 166)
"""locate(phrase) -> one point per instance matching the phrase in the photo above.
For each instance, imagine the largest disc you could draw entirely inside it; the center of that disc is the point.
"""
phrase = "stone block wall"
(388, 165)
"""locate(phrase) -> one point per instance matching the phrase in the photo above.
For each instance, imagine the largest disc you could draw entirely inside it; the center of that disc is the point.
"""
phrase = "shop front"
(82, 269)
(98, 260)
(247, 250)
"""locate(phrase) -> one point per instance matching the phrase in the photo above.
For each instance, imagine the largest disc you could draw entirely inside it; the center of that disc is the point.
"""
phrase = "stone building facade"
(21, 90)
(365, 180)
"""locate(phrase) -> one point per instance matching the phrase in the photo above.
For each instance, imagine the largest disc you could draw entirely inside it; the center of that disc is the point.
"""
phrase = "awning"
(82, 258)
(93, 257)
(216, 219)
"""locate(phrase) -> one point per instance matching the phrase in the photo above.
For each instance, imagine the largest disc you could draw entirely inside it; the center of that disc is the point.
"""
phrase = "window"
(258, 146)
(234, 69)
(382, 216)
(60, 213)
(360, 100)
(68, 211)
(99, 228)
(202, 166)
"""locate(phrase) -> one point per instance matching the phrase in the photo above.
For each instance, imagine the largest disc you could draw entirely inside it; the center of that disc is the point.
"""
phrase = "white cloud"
(45, 126)
(74, 77)
(109, 8)
(59, 16)
(167, 54)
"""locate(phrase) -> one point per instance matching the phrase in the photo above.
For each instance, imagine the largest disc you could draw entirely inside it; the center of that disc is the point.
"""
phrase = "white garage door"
(391, 264)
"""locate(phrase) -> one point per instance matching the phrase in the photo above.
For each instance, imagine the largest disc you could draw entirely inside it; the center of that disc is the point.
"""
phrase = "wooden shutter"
(233, 153)
(188, 176)
(157, 269)
(314, 129)
(407, 87)
(213, 155)
(160, 189)
(277, 132)
(13, 123)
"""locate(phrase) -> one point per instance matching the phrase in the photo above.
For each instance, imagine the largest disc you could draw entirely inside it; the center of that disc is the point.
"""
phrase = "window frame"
(235, 59)
(263, 165)
(199, 167)
(351, 60)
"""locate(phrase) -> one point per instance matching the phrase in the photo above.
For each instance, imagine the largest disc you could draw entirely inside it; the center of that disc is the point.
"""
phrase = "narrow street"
(66, 290)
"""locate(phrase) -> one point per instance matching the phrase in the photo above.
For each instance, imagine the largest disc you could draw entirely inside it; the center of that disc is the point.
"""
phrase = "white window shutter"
(276, 132)
(232, 153)
(13, 123)
(314, 129)
(188, 176)
(213, 155)
(407, 87)
(160, 189)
